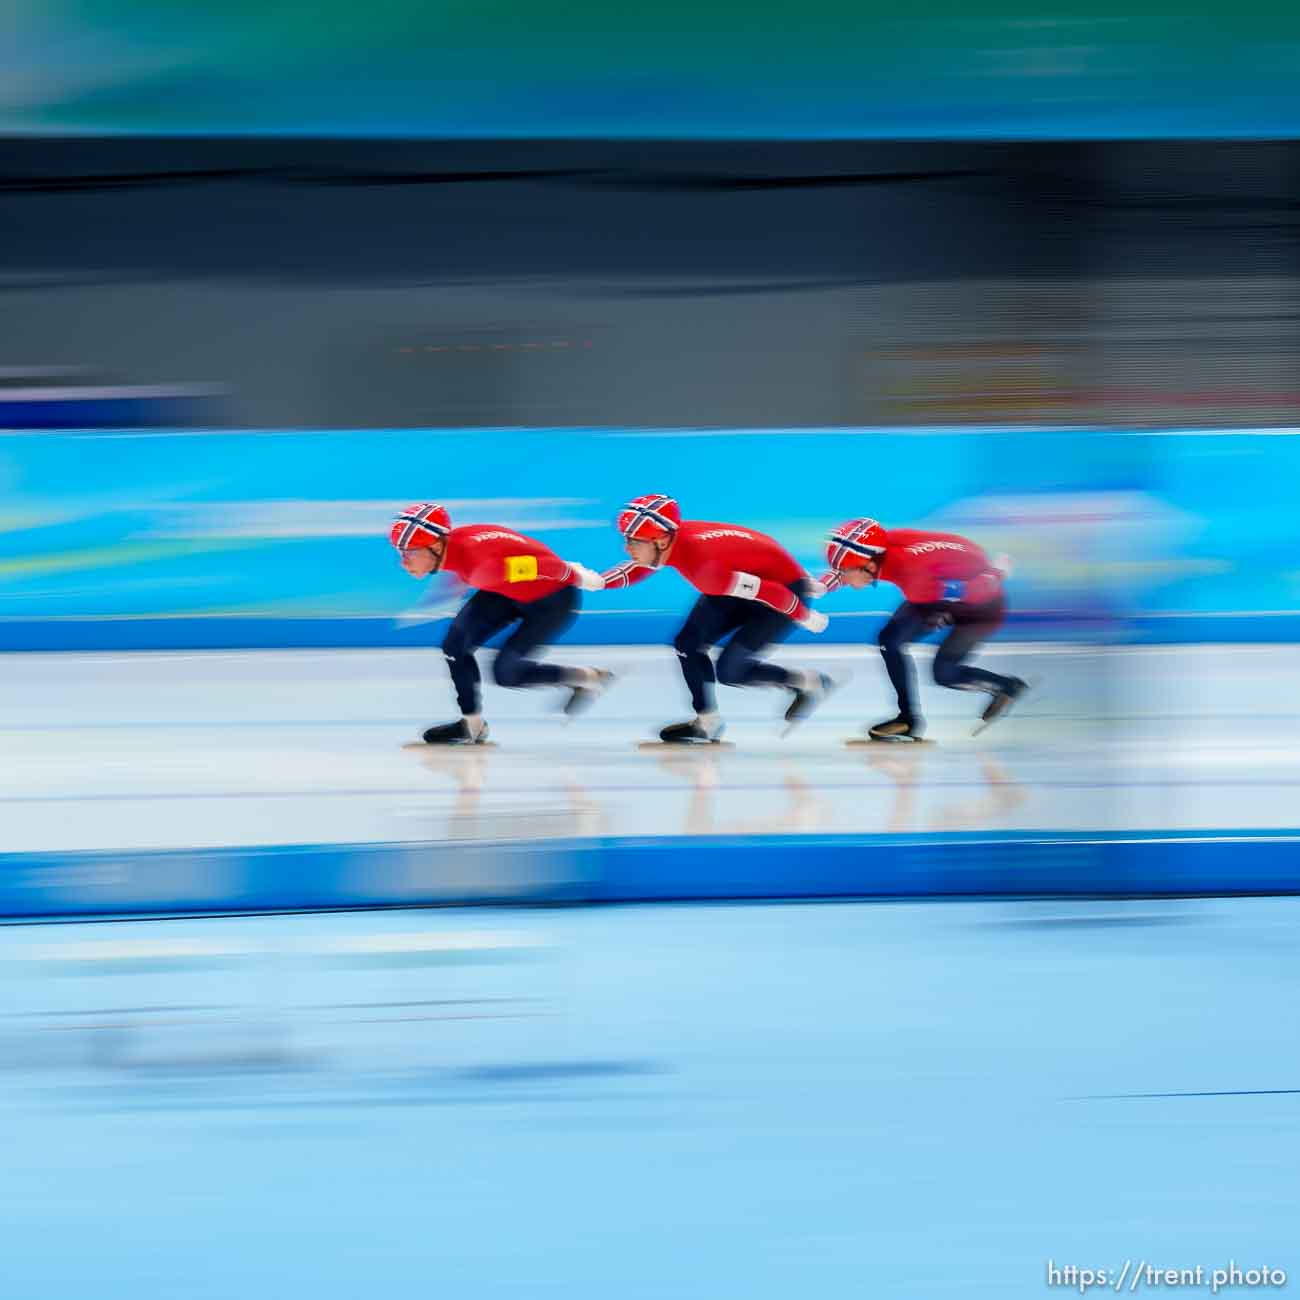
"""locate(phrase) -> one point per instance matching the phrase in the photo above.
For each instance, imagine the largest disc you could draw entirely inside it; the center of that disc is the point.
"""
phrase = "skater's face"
(649, 554)
(421, 563)
(859, 578)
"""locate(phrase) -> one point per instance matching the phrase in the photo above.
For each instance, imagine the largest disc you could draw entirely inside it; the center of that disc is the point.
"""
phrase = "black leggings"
(971, 624)
(751, 626)
(485, 614)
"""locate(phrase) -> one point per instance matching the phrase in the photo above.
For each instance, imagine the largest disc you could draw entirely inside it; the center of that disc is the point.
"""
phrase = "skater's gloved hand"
(587, 579)
(814, 621)
(816, 590)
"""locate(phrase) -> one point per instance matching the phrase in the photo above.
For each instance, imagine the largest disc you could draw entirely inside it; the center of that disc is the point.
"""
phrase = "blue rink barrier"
(626, 869)
(632, 628)
(247, 539)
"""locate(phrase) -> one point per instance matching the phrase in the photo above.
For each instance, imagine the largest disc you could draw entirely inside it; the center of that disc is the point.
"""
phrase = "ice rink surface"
(892, 1100)
(895, 1100)
(298, 747)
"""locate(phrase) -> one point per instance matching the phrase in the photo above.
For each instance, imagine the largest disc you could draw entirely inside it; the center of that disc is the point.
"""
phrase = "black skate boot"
(456, 733)
(806, 699)
(1001, 702)
(694, 732)
(900, 728)
(582, 697)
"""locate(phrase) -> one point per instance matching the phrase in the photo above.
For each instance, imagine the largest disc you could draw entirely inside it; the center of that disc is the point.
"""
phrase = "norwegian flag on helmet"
(419, 525)
(648, 517)
(855, 542)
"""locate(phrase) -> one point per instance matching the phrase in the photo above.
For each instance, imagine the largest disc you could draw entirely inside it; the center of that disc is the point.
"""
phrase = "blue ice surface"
(893, 1100)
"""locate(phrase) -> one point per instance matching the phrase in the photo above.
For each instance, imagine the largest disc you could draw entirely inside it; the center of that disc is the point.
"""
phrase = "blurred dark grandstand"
(471, 283)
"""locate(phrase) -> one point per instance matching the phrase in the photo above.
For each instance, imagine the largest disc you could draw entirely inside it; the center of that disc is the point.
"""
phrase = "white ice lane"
(157, 751)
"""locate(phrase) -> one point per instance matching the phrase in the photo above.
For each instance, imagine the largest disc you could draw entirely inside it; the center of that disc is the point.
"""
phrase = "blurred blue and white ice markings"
(695, 1101)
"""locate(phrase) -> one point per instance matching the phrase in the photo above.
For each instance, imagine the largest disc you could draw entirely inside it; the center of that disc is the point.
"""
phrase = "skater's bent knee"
(508, 669)
(732, 668)
(946, 671)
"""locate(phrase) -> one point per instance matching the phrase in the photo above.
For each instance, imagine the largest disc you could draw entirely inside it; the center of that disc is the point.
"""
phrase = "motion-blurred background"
(268, 272)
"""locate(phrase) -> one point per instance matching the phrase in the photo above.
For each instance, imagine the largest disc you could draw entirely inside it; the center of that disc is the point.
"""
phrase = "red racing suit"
(933, 568)
(491, 558)
(727, 560)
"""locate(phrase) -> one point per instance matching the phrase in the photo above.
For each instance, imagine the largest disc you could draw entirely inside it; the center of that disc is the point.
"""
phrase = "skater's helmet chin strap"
(661, 551)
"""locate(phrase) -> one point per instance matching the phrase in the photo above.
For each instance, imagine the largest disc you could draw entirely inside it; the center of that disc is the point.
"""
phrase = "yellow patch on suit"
(521, 568)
